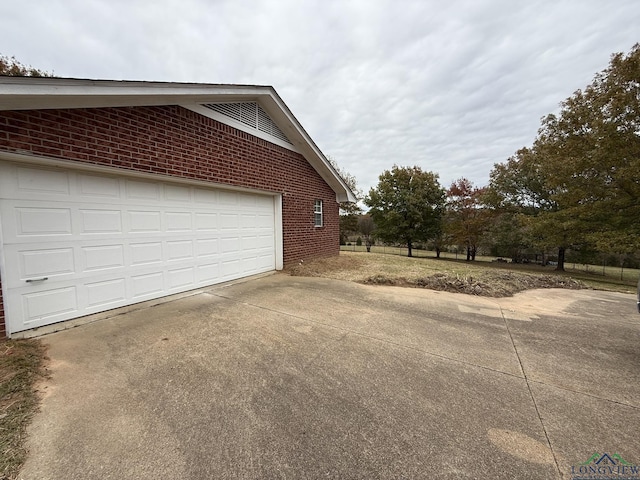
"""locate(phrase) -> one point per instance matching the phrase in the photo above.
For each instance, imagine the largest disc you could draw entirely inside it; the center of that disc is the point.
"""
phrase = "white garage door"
(76, 243)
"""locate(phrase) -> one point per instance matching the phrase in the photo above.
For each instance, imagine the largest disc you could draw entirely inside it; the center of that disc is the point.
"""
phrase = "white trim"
(278, 229)
(207, 112)
(5, 286)
(318, 203)
(115, 170)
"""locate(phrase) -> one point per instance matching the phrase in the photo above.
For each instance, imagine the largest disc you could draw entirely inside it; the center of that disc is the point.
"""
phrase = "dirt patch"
(489, 284)
(471, 279)
(22, 366)
(331, 267)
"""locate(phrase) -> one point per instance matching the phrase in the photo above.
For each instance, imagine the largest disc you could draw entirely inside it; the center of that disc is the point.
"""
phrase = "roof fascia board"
(26, 93)
(30, 93)
(294, 131)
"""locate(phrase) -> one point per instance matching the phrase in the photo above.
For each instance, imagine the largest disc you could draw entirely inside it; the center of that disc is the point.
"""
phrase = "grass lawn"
(482, 277)
(21, 367)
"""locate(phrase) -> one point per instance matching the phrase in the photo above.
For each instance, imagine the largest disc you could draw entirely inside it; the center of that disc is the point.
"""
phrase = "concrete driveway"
(304, 378)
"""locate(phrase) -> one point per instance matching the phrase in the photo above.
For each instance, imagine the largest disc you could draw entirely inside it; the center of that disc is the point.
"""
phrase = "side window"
(317, 210)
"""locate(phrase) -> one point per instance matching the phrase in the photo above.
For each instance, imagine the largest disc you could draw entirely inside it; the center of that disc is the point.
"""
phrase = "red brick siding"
(174, 141)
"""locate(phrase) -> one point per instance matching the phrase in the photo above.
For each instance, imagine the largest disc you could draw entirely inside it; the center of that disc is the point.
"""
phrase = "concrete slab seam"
(371, 337)
(586, 394)
(533, 399)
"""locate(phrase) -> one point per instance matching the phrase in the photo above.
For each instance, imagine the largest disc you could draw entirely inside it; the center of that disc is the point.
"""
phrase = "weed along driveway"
(304, 378)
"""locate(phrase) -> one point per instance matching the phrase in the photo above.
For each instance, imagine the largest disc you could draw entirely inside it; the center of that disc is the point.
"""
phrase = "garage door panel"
(102, 257)
(248, 242)
(207, 272)
(106, 293)
(178, 222)
(94, 220)
(43, 181)
(105, 241)
(229, 267)
(206, 196)
(230, 244)
(137, 190)
(248, 221)
(179, 250)
(147, 284)
(42, 221)
(265, 261)
(34, 261)
(181, 277)
(176, 193)
(206, 221)
(265, 242)
(49, 305)
(144, 221)
(227, 198)
(205, 247)
(229, 221)
(264, 222)
(47, 262)
(98, 188)
(145, 253)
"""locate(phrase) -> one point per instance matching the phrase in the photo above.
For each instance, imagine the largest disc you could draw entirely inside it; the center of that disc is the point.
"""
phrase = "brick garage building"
(114, 193)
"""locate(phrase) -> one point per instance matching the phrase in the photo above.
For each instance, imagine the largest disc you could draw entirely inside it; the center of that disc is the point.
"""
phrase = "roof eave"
(31, 93)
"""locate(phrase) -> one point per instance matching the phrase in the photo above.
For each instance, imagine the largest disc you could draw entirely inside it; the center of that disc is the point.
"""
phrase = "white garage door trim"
(105, 241)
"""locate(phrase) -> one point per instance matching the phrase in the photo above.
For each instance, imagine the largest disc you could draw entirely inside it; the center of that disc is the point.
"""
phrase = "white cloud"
(453, 88)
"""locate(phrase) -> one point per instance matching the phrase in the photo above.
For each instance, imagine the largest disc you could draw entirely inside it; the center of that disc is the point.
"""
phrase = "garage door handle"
(31, 280)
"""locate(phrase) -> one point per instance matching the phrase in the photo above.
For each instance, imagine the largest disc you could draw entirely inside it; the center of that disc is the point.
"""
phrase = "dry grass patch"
(21, 367)
(450, 276)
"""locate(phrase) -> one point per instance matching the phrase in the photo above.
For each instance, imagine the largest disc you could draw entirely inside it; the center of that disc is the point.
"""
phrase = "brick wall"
(177, 142)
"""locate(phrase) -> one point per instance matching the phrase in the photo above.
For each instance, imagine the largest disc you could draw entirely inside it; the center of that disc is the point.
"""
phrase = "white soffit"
(28, 93)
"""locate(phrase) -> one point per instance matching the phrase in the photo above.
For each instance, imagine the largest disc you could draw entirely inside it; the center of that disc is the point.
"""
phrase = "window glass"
(318, 213)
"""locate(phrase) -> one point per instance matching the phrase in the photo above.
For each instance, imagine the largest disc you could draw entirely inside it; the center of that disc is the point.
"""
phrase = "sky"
(453, 87)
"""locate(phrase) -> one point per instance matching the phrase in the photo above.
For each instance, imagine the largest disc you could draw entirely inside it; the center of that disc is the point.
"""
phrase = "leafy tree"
(366, 228)
(579, 184)
(349, 211)
(348, 208)
(348, 226)
(11, 67)
(466, 217)
(406, 206)
(506, 236)
(525, 185)
(595, 142)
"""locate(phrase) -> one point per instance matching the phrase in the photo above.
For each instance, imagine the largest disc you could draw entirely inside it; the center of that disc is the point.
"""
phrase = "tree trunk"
(437, 252)
(473, 254)
(560, 266)
(410, 247)
(468, 253)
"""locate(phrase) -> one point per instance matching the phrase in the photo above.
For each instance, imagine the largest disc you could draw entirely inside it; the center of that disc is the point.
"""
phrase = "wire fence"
(621, 273)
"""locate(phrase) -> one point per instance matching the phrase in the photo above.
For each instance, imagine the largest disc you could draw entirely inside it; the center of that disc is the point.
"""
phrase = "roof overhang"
(29, 93)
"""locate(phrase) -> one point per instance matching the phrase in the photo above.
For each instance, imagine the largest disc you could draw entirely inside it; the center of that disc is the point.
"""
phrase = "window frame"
(318, 215)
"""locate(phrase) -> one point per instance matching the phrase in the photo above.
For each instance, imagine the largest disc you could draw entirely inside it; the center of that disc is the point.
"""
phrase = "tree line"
(576, 188)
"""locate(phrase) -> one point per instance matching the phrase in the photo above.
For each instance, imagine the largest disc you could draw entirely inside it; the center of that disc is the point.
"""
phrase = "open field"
(481, 277)
(625, 274)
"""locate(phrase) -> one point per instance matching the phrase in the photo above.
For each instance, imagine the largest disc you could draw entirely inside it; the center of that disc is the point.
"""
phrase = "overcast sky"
(453, 86)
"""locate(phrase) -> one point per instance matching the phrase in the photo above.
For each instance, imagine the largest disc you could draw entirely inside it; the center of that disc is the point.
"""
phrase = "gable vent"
(250, 114)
